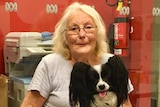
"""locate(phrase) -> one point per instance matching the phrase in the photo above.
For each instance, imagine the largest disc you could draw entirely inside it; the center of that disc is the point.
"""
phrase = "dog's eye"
(93, 76)
(96, 76)
(105, 75)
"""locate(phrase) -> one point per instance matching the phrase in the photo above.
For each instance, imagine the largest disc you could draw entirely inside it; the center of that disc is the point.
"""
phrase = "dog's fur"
(103, 85)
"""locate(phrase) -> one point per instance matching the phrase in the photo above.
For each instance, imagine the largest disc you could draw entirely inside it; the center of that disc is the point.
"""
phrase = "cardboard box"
(3, 90)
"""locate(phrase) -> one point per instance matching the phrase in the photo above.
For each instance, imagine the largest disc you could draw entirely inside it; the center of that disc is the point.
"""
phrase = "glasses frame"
(76, 29)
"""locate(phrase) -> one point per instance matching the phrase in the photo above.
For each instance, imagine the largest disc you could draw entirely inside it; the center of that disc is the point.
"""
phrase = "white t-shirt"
(52, 78)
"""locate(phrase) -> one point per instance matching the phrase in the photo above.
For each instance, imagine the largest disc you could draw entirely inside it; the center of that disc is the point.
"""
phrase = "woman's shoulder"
(53, 57)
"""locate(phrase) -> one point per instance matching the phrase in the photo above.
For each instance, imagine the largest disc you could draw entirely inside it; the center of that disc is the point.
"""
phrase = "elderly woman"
(80, 36)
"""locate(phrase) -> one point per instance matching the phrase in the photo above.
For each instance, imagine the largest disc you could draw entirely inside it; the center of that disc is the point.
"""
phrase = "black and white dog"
(103, 85)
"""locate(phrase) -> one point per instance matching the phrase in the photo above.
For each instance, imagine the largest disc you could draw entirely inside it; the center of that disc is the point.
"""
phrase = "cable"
(114, 4)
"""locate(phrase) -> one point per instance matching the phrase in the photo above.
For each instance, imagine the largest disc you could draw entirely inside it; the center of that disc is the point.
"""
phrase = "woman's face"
(81, 33)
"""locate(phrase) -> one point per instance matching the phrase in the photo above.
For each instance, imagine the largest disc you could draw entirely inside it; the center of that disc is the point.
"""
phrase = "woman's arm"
(127, 103)
(33, 99)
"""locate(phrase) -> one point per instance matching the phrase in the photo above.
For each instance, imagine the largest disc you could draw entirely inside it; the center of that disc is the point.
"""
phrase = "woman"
(79, 36)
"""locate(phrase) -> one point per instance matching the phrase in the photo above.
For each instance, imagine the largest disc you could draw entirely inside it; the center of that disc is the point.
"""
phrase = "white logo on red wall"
(156, 11)
(11, 6)
(51, 8)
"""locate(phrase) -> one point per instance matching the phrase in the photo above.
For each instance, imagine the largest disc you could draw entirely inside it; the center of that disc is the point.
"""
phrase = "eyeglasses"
(74, 30)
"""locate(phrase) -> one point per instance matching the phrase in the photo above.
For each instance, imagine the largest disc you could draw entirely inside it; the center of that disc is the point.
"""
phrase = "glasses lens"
(74, 30)
(89, 29)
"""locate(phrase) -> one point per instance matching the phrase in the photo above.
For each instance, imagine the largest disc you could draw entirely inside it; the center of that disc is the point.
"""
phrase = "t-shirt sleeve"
(40, 80)
(130, 86)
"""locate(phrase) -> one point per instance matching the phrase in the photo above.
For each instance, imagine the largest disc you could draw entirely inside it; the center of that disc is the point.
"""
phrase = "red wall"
(141, 52)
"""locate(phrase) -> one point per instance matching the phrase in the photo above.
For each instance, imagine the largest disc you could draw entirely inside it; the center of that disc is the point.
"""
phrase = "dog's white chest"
(109, 101)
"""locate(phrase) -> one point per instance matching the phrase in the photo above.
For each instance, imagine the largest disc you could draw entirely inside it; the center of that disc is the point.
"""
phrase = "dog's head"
(87, 81)
(98, 79)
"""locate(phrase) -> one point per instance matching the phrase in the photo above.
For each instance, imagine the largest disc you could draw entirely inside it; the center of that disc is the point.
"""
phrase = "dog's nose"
(101, 87)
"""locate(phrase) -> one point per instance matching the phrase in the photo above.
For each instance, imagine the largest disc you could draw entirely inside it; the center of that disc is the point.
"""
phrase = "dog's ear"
(120, 77)
(119, 67)
(78, 73)
(77, 82)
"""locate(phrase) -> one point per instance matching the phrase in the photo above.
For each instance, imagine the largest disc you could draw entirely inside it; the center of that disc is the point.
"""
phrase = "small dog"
(104, 85)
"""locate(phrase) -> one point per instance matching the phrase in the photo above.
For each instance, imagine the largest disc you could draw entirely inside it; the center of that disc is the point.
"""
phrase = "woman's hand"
(33, 99)
(127, 103)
